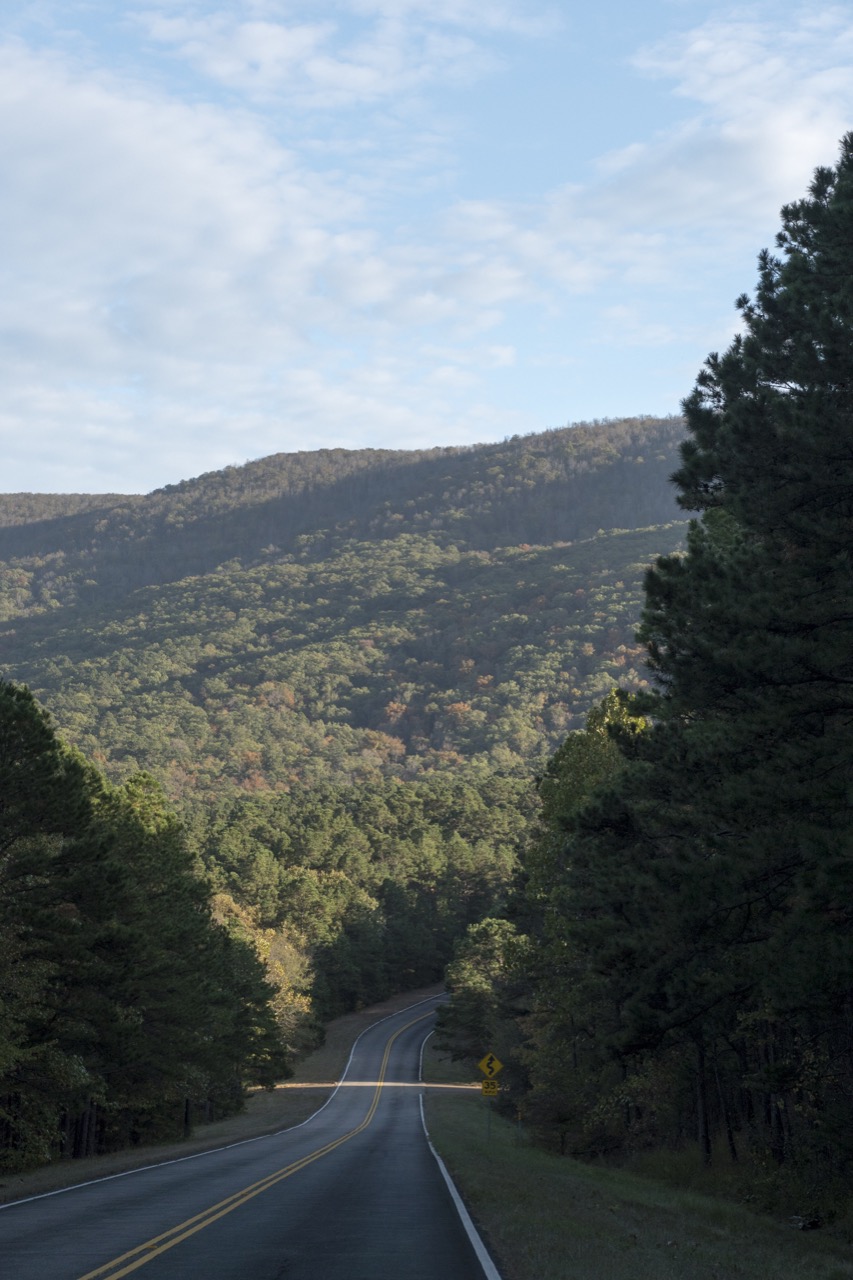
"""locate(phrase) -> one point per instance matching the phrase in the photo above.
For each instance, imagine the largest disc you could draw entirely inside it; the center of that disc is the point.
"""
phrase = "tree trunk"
(725, 1112)
(703, 1126)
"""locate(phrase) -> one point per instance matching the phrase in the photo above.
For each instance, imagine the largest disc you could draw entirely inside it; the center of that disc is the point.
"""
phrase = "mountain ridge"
(342, 614)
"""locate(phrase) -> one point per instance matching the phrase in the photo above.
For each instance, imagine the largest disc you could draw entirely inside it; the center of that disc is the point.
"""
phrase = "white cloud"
(327, 65)
(774, 98)
(171, 268)
(769, 107)
(265, 56)
(190, 279)
(136, 221)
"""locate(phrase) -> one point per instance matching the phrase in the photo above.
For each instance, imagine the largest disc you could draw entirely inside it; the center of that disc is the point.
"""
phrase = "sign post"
(490, 1066)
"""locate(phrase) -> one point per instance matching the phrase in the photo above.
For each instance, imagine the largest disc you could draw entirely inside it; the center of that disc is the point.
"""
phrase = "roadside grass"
(546, 1217)
(267, 1110)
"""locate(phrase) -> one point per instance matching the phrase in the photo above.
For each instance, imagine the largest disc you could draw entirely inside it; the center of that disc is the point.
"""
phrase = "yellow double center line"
(143, 1253)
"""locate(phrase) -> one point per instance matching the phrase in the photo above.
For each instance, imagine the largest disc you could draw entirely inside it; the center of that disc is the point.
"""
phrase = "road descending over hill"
(353, 1193)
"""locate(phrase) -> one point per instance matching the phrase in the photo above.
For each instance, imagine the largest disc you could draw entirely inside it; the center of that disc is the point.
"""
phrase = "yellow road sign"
(490, 1088)
(490, 1066)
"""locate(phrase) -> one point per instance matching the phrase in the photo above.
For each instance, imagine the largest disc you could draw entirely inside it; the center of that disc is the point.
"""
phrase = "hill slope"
(341, 615)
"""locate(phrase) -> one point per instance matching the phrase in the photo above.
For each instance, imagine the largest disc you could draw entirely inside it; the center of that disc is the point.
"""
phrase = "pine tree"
(751, 634)
(707, 896)
(121, 1002)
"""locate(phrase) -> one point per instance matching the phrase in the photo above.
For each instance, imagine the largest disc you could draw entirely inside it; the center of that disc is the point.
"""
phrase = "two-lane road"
(352, 1194)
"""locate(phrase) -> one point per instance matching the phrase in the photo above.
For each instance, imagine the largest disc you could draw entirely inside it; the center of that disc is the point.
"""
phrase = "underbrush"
(802, 1197)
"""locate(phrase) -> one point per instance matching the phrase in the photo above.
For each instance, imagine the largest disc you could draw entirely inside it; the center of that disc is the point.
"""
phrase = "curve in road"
(371, 1199)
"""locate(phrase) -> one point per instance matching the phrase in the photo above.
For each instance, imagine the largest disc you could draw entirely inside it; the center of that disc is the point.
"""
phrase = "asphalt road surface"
(353, 1194)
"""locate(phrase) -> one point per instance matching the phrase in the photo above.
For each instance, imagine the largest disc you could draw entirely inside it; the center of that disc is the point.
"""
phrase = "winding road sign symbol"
(490, 1066)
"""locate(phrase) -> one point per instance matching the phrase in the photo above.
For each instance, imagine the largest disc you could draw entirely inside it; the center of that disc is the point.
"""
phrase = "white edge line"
(484, 1258)
(212, 1151)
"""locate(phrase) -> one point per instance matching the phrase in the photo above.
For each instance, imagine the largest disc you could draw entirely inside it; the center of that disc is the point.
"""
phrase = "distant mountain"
(341, 615)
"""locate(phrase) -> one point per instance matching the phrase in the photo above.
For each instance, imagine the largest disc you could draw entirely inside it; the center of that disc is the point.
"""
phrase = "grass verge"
(550, 1218)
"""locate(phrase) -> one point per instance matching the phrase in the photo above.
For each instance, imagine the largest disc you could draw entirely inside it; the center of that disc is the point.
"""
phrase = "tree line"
(678, 964)
(548, 486)
(365, 887)
(151, 968)
(126, 1010)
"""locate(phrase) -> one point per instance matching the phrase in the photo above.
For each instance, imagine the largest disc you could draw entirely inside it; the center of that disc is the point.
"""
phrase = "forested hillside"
(341, 616)
(343, 669)
(557, 485)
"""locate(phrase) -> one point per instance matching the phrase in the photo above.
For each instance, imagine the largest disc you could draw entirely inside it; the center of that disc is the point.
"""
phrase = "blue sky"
(233, 229)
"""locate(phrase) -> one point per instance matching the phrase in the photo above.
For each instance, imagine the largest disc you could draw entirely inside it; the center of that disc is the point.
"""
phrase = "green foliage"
(372, 883)
(380, 660)
(43, 786)
(122, 1005)
(586, 761)
(691, 961)
(338, 617)
(557, 485)
(751, 635)
(485, 981)
(341, 668)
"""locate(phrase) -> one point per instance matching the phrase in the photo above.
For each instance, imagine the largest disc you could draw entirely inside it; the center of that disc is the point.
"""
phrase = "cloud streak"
(396, 50)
